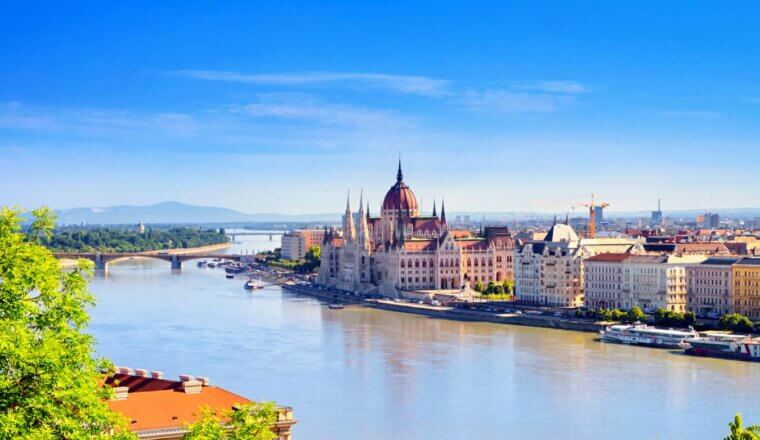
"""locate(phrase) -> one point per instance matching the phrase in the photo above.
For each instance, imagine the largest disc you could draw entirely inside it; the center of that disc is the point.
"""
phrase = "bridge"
(270, 234)
(101, 260)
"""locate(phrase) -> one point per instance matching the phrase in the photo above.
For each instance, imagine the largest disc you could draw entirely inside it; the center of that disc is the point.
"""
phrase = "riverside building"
(709, 286)
(550, 271)
(745, 294)
(295, 244)
(626, 280)
(402, 250)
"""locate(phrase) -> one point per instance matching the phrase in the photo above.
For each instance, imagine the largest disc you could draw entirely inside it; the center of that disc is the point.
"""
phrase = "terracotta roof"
(417, 245)
(159, 403)
(609, 258)
(706, 248)
(472, 243)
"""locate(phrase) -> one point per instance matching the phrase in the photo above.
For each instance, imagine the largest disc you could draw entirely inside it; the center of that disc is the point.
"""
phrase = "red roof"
(400, 197)
(609, 258)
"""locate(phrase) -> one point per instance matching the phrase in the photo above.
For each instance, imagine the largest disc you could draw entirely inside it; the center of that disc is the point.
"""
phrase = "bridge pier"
(100, 262)
(176, 263)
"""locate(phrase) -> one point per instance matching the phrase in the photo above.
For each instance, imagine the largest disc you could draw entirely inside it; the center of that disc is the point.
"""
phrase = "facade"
(402, 250)
(649, 282)
(295, 244)
(709, 287)
(161, 409)
(550, 271)
(745, 295)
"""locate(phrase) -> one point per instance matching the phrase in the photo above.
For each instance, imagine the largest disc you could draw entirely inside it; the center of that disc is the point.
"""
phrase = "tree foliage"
(249, 422)
(669, 318)
(50, 385)
(736, 323)
(123, 240)
(737, 431)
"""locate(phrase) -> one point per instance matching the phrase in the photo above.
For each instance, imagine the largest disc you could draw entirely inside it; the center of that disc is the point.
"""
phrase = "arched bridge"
(101, 260)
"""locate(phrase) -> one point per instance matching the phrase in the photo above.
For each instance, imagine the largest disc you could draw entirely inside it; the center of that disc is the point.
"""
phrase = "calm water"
(360, 373)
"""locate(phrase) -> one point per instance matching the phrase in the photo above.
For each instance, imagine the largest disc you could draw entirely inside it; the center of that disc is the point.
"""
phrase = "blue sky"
(282, 106)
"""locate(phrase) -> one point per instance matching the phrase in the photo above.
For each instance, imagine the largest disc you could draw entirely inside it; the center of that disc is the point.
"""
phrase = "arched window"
(402, 263)
(469, 263)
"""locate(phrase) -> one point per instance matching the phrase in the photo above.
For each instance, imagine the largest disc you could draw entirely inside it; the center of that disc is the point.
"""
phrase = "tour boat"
(335, 306)
(724, 346)
(642, 334)
(234, 268)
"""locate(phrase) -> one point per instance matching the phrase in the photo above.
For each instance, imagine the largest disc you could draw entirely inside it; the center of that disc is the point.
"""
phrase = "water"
(361, 373)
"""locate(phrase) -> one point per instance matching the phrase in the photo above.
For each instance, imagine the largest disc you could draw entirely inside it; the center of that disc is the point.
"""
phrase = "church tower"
(349, 232)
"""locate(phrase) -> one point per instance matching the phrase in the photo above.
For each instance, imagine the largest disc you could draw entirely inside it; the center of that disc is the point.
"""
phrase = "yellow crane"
(592, 215)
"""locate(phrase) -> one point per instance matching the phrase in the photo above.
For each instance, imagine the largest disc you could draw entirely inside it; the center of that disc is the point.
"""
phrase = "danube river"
(371, 374)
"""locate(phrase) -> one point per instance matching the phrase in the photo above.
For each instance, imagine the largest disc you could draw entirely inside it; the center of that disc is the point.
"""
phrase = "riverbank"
(448, 312)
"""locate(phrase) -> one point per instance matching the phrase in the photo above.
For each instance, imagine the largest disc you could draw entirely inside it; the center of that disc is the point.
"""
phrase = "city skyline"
(500, 108)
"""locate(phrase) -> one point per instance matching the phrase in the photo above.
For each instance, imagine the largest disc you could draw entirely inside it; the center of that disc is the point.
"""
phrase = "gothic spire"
(399, 174)
(443, 211)
(434, 213)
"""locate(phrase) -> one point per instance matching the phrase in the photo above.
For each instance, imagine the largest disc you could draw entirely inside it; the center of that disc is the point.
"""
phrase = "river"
(372, 374)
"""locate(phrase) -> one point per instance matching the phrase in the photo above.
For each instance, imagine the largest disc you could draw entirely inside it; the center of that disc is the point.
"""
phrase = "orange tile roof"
(170, 408)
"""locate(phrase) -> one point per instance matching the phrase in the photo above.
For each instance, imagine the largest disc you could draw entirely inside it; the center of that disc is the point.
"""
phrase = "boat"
(211, 264)
(253, 284)
(235, 268)
(202, 263)
(229, 276)
(724, 346)
(335, 306)
(642, 334)
(249, 285)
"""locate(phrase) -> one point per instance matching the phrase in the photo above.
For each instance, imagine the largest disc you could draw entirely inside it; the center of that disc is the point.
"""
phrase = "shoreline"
(453, 313)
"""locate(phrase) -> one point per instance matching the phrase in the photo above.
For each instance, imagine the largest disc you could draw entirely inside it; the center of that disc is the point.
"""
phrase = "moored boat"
(229, 276)
(642, 334)
(724, 346)
(335, 306)
(202, 263)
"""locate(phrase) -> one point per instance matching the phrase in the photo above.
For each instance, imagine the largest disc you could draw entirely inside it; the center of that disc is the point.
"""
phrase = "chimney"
(141, 373)
(203, 380)
(185, 377)
(125, 370)
(192, 386)
(120, 393)
(157, 374)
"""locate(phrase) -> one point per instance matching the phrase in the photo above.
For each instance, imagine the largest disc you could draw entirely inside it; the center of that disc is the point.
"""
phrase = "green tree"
(50, 385)
(480, 287)
(739, 432)
(249, 422)
(735, 322)
(636, 314)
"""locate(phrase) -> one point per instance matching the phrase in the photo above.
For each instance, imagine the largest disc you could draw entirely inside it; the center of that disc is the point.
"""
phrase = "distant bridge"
(101, 260)
(270, 234)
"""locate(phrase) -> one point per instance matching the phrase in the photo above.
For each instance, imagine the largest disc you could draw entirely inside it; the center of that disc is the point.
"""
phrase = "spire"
(349, 232)
(567, 219)
(363, 235)
(399, 174)
(443, 211)
(368, 215)
(554, 222)
(434, 213)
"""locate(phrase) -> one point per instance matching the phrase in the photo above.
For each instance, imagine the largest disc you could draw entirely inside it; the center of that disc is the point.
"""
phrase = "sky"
(285, 106)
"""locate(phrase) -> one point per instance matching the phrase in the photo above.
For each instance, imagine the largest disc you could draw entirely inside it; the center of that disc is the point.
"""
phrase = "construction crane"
(592, 215)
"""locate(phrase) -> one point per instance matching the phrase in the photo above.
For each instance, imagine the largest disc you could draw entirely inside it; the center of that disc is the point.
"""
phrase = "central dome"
(400, 196)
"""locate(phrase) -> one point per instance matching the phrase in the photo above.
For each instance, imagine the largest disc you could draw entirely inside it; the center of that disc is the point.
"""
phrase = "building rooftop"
(153, 403)
(609, 258)
(749, 261)
(720, 261)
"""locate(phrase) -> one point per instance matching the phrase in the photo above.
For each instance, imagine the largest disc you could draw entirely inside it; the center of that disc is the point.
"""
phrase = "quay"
(448, 312)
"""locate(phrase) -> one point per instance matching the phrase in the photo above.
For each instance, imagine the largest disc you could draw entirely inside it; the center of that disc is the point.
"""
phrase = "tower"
(349, 232)
(363, 236)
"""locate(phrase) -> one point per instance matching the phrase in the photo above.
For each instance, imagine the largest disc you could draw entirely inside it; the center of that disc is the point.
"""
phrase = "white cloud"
(565, 87)
(507, 101)
(407, 84)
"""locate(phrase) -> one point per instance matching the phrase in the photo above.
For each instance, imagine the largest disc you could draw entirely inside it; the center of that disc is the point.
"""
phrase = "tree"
(249, 422)
(636, 314)
(50, 385)
(738, 432)
(479, 286)
(735, 322)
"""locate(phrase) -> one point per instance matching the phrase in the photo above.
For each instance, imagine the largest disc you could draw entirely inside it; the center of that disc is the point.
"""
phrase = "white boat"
(253, 284)
(724, 346)
(642, 334)
(335, 306)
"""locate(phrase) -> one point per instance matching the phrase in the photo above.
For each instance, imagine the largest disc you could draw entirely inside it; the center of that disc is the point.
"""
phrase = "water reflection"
(363, 373)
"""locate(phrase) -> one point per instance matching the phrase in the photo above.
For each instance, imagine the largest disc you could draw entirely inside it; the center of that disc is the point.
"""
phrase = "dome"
(561, 232)
(400, 196)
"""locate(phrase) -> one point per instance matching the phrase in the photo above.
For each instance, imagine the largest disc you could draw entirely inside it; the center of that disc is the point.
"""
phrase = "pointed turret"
(349, 232)
(443, 212)
(434, 213)
(399, 174)
(363, 226)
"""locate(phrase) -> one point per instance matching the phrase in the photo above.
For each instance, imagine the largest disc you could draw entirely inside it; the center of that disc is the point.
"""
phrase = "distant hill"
(174, 212)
